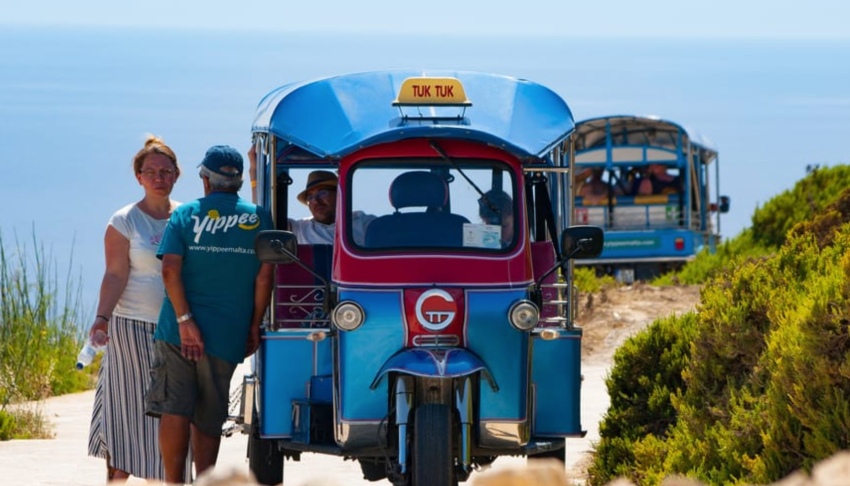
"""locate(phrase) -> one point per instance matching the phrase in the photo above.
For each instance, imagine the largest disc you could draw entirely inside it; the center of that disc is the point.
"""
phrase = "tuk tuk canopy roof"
(335, 116)
(636, 130)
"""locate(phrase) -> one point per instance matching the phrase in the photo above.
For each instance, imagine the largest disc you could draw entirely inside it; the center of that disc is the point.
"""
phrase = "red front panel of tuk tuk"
(412, 268)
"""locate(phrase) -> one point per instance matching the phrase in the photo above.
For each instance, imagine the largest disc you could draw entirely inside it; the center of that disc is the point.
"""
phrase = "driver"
(497, 208)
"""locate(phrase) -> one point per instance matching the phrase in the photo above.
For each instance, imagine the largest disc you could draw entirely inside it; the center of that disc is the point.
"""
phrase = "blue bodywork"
(289, 366)
(437, 363)
(362, 392)
(557, 385)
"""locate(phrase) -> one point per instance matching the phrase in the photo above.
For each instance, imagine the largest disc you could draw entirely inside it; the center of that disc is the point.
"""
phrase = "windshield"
(432, 203)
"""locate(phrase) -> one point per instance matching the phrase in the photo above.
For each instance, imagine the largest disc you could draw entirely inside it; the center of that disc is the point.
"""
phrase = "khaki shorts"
(199, 389)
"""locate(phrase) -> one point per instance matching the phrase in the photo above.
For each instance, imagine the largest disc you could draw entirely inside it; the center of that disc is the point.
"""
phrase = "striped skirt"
(120, 431)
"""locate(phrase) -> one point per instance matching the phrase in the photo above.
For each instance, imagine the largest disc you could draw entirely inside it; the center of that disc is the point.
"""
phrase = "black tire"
(265, 460)
(433, 462)
(373, 470)
(559, 454)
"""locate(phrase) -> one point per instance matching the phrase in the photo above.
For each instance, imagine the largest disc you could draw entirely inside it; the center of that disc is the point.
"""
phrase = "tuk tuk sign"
(430, 91)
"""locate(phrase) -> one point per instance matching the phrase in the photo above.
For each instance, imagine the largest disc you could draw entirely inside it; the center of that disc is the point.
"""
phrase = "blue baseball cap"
(223, 160)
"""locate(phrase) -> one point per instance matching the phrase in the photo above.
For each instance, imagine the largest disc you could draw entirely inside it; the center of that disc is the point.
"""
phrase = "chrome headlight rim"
(524, 315)
(348, 316)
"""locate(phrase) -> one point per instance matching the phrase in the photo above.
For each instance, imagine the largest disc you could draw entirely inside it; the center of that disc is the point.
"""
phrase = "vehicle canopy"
(653, 139)
(323, 118)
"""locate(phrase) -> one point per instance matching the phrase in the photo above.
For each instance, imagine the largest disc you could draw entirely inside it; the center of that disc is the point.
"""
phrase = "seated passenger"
(320, 197)
(497, 208)
(594, 190)
(658, 181)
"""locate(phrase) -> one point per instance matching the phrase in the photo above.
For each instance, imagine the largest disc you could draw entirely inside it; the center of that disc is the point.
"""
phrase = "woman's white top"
(144, 293)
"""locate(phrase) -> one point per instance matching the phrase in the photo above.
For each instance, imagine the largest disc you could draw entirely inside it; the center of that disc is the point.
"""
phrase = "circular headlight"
(347, 316)
(524, 315)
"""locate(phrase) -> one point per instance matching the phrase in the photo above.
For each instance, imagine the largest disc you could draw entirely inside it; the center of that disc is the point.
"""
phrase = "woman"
(131, 295)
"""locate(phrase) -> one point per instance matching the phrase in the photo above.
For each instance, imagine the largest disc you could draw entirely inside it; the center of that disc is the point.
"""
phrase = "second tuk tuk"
(435, 332)
(655, 203)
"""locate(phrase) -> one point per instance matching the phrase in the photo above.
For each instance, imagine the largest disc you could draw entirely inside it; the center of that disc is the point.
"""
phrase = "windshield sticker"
(482, 235)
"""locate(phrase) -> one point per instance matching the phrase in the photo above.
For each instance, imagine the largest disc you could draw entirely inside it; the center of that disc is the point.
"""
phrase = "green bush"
(24, 422)
(647, 372)
(799, 206)
(707, 265)
(586, 280)
(752, 386)
(807, 199)
(39, 339)
(7, 425)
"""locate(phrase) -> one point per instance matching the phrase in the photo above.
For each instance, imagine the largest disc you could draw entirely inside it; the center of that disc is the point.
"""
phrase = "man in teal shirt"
(217, 292)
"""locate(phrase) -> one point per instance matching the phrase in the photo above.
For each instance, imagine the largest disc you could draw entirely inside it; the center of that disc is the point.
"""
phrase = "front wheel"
(559, 454)
(265, 460)
(433, 463)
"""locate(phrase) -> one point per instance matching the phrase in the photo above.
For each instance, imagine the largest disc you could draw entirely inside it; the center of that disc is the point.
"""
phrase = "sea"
(77, 103)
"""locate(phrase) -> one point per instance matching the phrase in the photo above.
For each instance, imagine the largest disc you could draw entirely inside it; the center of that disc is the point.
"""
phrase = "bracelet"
(102, 317)
(185, 317)
(253, 184)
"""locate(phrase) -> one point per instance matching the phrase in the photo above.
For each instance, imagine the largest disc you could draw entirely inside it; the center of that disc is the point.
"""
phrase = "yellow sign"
(431, 91)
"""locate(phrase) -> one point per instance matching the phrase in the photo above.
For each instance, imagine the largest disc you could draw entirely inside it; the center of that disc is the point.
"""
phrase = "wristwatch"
(185, 317)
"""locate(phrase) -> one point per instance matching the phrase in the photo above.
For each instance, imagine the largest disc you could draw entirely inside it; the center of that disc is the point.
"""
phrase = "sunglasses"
(323, 195)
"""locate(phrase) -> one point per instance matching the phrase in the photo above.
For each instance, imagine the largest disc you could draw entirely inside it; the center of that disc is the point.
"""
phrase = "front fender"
(436, 363)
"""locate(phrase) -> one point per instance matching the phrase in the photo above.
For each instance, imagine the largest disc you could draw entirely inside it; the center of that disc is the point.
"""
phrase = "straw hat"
(318, 178)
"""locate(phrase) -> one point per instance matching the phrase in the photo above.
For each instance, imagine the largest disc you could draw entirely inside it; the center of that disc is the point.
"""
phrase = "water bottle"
(93, 346)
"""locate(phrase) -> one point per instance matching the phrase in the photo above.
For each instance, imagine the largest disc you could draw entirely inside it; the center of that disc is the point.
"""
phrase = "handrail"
(303, 310)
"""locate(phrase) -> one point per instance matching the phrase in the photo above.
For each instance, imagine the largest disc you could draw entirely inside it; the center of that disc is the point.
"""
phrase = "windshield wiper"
(445, 156)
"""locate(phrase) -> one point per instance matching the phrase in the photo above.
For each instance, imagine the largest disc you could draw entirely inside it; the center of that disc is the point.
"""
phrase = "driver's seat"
(428, 227)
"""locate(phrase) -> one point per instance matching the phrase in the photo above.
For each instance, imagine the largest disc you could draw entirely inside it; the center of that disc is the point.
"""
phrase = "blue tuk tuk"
(647, 182)
(435, 332)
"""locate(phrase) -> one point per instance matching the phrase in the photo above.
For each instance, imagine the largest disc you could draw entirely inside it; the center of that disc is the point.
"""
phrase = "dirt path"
(612, 315)
(608, 319)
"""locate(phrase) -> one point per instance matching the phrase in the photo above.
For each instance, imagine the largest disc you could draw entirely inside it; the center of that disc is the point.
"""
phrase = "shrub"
(647, 371)
(38, 336)
(707, 265)
(763, 386)
(7, 425)
(799, 206)
(586, 280)
(803, 202)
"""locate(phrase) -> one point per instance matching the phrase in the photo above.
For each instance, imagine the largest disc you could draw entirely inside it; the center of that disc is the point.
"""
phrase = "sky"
(814, 19)
(578, 23)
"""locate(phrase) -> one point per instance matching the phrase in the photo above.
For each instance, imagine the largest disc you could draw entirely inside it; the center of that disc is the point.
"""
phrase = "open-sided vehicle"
(655, 201)
(435, 334)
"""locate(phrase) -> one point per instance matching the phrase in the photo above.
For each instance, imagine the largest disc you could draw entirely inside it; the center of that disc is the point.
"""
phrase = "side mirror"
(581, 242)
(276, 246)
(725, 202)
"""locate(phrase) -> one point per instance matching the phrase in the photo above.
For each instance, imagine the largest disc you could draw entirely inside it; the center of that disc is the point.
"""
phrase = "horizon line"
(418, 33)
